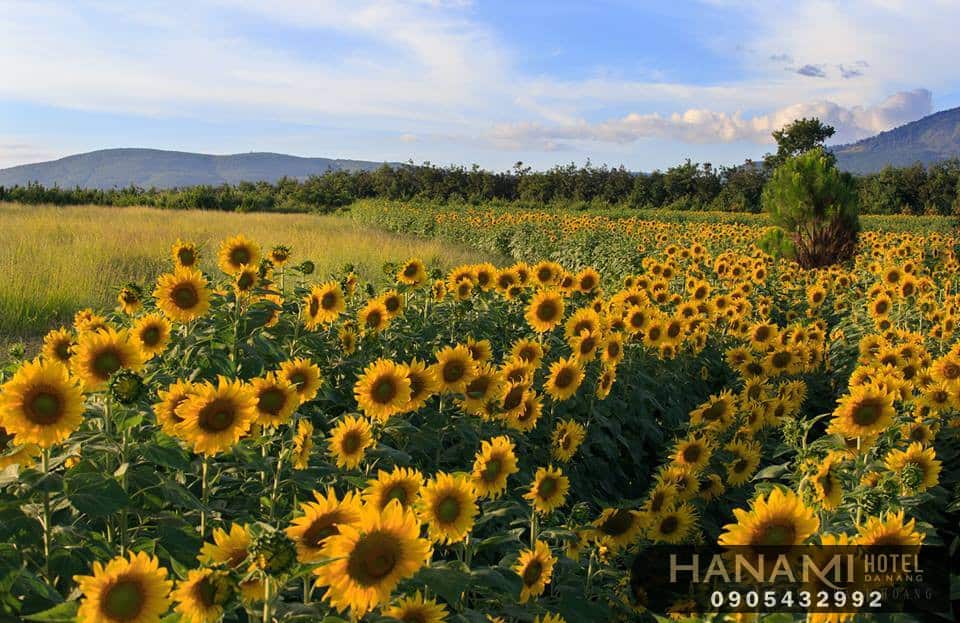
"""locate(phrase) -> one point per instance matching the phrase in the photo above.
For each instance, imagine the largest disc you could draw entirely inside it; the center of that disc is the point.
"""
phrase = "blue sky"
(644, 84)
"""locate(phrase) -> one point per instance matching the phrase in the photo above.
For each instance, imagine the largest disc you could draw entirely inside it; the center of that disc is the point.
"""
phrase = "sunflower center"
(271, 400)
(373, 558)
(741, 465)
(532, 573)
(351, 442)
(398, 493)
(384, 390)
(124, 600)
(63, 350)
(513, 398)
(327, 301)
(107, 362)
(320, 529)
(619, 522)
(245, 281)
(410, 271)
(564, 378)
(714, 412)
(587, 283)
(587, 345)
(491, 470)
(776, 534)
(613, 349)
(453, 371)
(373, 319)
(918, 434)
(691, 454)
(548, 486)
(239, 256)
(150, 336)
(186, 257)
(669, 525)
(826, 483)
(206, 592)
(654, 333)
(657, 501)
(392, 304)
(780, 359)
(951, 371)
(478, 387)
(43, 407)
(547, 311)
(448, 510)
(184, 296)
(298, 378)
(866, 414)
(217, 416)
(566, 441)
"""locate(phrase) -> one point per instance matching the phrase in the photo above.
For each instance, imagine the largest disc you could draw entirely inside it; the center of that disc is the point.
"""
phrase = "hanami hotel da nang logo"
(839, 579)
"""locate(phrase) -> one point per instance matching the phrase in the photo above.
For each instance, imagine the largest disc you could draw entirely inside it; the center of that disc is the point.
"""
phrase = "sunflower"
(127, 590)
(231, 549)
(549, 490)
(865, 411)
(564, 379)
(348, 340)
(546, 273)
(185, 254)
(534, 566)
(423, 385)
(393, 302)
(439, 290)
(525, 418)
(152, 334)
(746, 458)
(605, 382)
(182, 295)
(58, 345)
(417, 609)
(780, 519)
(216, 417)
(237, 252)
(672, 525)
(587, 280)
(302, 445)
(692, 453)
(41, 404)
(349, 441)
(566, 439)
(323, 305)
(245, 280)
(200, 598)
(402, 484)
(683, 480)
(513, 400)
(320, 520)
(517, 371)
(412, 273)
(98, 355)
(584, 319)
(480, 350)
(711, 487)
(585, 346)
(527, 351)
(371, 557)
(493, 465)
(946, 369)
(487, 384)
(916, 457)
(374, 316)
(454, 368)
(130, 299)
(716, 413)
(660, 498)
(383, 390)
(86, 321)
(889, 530)
(303, 375)
(14, 453)
(618, 528)
(277, 399)
(545, 311)
(166, 410)
(827, 485)
(448, 505)
(611, 351)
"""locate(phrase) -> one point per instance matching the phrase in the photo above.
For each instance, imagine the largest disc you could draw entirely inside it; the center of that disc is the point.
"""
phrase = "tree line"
(917, 189)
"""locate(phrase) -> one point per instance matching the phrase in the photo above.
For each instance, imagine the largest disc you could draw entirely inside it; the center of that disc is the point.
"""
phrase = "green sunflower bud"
(307, 267)
(911, 476)
(873, 502)
(274, 552)
(127, 387)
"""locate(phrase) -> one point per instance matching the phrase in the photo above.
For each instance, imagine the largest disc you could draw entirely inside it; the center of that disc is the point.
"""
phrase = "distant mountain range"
(931, 139)
(155, 168)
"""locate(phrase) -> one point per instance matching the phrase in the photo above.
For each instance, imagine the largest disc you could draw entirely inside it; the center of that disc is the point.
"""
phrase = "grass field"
(59, 259)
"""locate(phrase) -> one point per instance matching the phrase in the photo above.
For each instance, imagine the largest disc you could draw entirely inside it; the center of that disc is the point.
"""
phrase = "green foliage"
(798, 137)
(815, 204)
(777, 244)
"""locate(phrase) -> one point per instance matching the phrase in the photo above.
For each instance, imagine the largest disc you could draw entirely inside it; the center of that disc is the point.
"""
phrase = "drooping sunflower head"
(41, 404)
(302, 444)
(383, 390)
(549, 490)
(277, 399)
(605, 382)
(215, 417)
(58, 345)
(304, 375)
(493, 465)
(448, 505)
(182, 295)
(371, 558)
(279, 255)
(99, 355)
(133, 589)
(185, 254)
(918, 466)
(349, 441)
(320, 520)
(237, 252)
(454, 368)
(535, 568)
(778, 520)
(566, 439)
(402, 484)
(152, 333)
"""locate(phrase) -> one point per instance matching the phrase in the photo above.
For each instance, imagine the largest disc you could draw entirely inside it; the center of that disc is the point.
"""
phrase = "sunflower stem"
(203, 496)
(276, 487)
(45, 467)
(534, 528)
(266, 599)
(307, 590)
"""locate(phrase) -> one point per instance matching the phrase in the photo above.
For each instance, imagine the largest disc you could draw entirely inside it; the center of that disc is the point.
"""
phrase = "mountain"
(148, 168)
(931, 139)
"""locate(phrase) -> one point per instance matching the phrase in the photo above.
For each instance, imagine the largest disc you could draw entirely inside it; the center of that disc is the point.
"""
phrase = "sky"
(645, 84)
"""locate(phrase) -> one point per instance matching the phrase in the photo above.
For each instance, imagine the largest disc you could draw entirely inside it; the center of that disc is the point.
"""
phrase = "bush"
(816, 207)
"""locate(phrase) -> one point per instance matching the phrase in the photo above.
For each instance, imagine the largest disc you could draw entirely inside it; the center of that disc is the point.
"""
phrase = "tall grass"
(55, 260)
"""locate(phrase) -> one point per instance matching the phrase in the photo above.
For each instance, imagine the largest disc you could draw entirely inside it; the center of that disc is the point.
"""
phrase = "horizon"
(455, 82)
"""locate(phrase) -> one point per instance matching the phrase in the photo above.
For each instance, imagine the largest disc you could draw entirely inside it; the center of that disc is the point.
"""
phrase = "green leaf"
(96, 495)
(772, 472)
(449, 580)
(67, 611)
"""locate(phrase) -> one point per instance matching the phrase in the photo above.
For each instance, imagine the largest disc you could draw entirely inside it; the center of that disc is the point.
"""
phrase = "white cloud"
(707, 126)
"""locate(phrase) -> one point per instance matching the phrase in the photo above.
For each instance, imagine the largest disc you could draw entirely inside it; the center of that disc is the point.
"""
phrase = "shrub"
(816, 206)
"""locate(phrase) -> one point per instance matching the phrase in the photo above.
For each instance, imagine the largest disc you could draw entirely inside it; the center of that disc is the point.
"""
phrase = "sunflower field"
(486, 444)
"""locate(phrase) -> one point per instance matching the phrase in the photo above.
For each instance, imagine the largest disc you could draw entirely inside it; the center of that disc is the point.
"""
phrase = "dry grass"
(55, 260)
